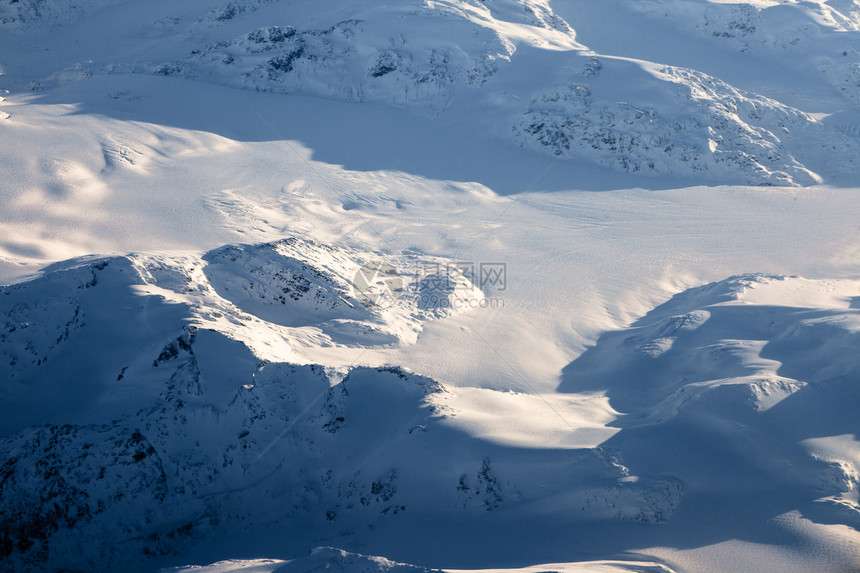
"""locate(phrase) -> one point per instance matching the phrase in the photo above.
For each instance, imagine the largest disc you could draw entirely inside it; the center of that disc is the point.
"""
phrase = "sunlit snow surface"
(502, 285)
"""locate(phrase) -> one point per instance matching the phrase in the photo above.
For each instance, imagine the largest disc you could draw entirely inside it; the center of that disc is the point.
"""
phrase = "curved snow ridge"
(842, 485)
(654, 120)
(353, 297)
(340, 561)
(757, 334)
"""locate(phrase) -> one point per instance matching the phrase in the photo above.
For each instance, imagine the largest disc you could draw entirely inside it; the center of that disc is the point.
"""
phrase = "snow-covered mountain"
(459, 285)
(200, 429)
(643, 117)
(180, 432)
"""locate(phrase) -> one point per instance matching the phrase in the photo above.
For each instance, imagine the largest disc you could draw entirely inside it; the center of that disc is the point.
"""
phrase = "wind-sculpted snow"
(759, 370)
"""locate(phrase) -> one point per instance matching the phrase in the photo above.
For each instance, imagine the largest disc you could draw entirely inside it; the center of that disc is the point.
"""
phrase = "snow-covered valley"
(465, 285)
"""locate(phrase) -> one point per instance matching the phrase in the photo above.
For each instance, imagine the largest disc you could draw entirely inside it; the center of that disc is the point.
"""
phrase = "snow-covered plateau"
(402, 286)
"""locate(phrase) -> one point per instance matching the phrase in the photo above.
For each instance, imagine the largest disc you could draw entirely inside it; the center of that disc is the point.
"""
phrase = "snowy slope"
(417, 285)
